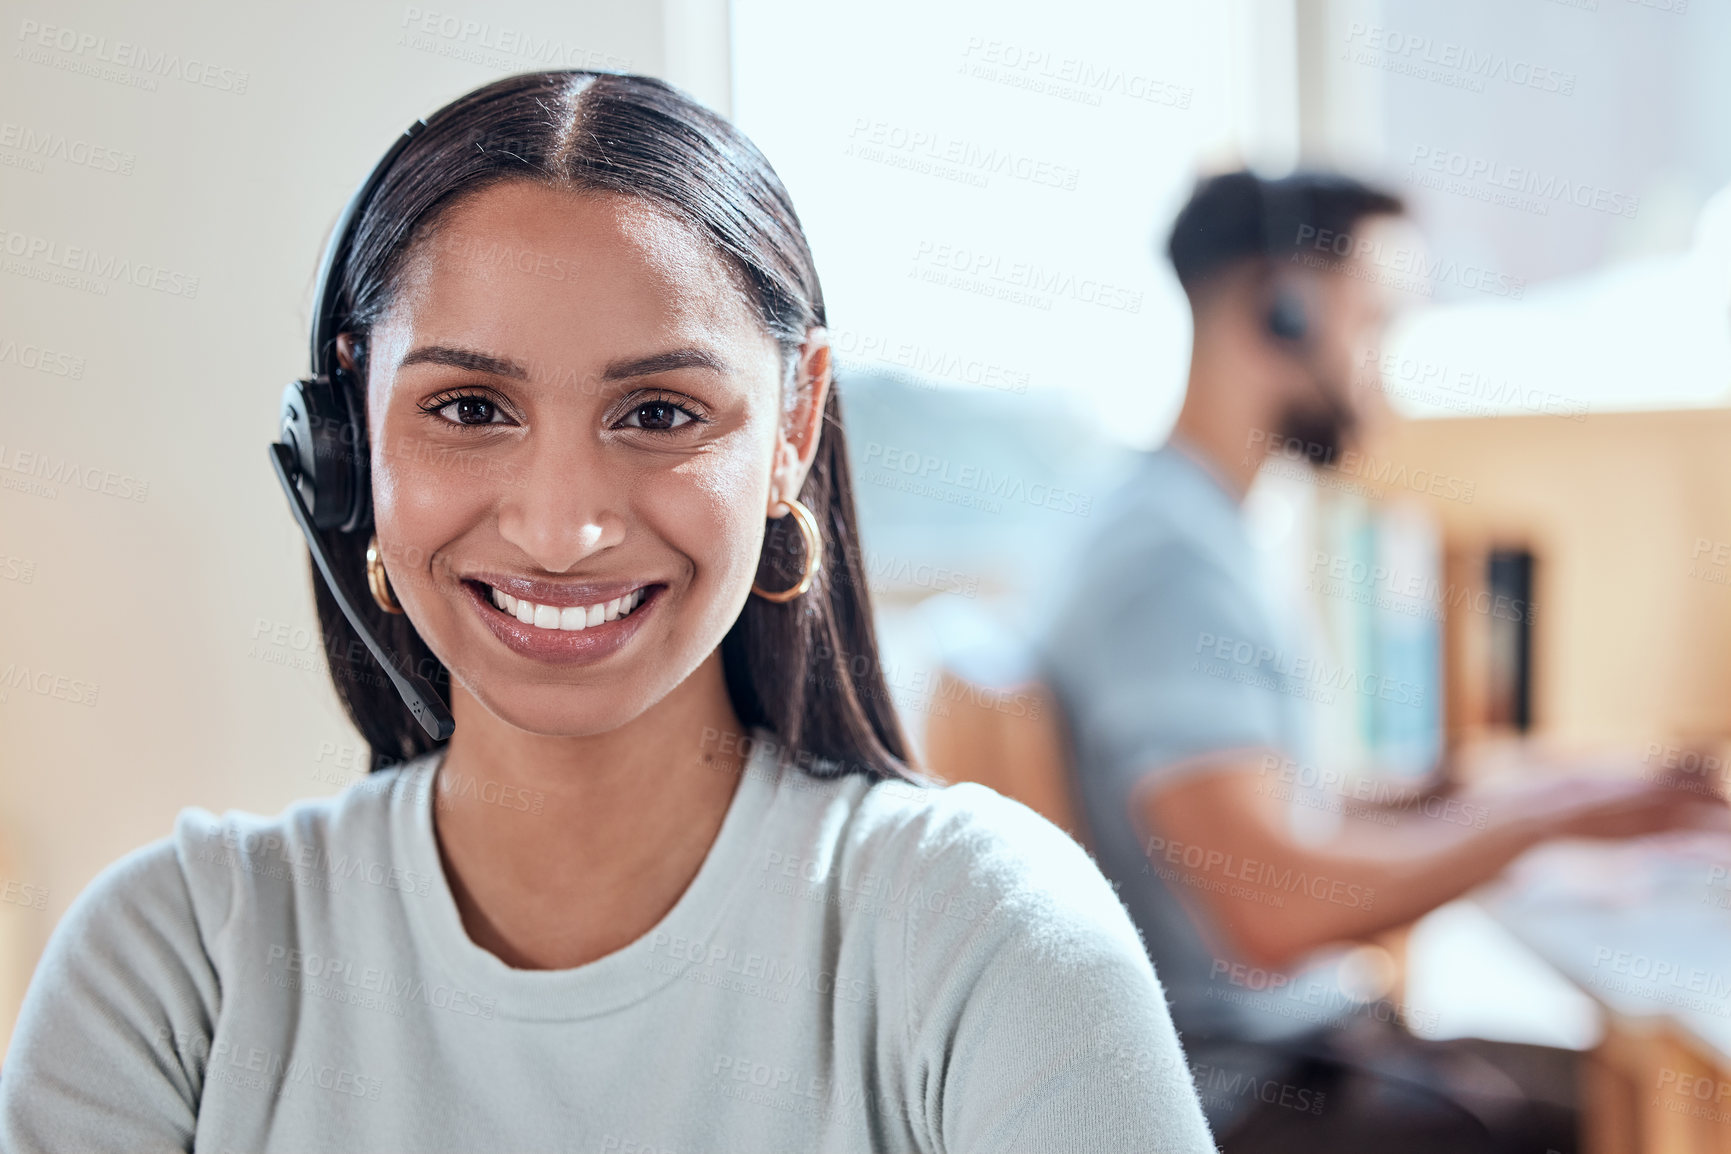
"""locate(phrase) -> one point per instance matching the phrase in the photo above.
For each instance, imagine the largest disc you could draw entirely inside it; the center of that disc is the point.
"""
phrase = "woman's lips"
(552, 632)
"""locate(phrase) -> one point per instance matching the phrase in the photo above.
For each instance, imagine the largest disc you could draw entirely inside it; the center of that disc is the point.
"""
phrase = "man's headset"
(1287, 317)
(321, 459)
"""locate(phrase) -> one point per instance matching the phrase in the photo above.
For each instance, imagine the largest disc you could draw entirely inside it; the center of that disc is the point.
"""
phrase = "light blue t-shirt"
(857, 966)
(1162, 647)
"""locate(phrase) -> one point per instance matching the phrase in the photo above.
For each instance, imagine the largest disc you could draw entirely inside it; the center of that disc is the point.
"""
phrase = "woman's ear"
(802, 425)
(346, 352)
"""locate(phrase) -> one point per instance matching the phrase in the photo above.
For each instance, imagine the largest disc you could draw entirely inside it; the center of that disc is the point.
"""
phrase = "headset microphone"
(1287, 318)
(422, 700)
(321, 459)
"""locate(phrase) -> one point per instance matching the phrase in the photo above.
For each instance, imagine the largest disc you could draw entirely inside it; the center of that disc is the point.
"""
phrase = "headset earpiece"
(1287, 319)
(330, 449)
(321, 457)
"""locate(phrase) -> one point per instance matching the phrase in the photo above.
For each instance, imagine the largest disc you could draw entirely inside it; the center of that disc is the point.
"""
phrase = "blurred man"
(1180, 726)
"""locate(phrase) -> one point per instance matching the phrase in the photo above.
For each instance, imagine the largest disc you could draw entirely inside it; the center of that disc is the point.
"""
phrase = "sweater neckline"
(482, 980)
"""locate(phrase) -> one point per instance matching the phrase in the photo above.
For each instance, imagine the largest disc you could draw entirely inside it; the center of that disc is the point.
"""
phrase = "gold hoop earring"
(377, 581)
(813, 553)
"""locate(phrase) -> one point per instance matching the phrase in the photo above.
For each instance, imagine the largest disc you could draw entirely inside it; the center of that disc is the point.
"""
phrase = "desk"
(1643, 928)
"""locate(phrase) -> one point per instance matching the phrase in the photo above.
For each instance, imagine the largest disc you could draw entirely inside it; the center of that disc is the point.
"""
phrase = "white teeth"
(568, 618)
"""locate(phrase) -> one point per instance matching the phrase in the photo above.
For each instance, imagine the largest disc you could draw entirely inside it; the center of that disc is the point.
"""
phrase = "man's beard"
(1323, 429)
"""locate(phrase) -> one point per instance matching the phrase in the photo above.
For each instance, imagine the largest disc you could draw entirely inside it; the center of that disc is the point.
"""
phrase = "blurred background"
(986, 188)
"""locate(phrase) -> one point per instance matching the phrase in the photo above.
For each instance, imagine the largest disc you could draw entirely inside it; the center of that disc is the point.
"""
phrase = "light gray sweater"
(855, 967)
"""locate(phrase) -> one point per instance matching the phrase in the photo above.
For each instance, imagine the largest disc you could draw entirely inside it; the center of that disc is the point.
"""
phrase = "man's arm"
(1224, 825)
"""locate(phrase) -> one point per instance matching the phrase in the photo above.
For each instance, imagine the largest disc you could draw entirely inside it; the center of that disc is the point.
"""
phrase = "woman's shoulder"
(965, 853)
(359, 804)
(191, 880)
(1021, 985)
(312, 843)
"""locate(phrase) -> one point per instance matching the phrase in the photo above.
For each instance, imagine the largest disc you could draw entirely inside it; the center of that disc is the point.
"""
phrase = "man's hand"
(1238, 843)
(1593, 805)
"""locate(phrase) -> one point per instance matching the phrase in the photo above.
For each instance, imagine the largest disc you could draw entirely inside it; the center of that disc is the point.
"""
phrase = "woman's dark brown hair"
(808, 670)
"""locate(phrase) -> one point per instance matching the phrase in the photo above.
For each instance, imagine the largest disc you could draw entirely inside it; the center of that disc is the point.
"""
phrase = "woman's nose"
(560, 509)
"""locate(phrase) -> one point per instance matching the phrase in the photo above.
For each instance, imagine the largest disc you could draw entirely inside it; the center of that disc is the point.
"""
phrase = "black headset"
(321, 458)
(1286, 318)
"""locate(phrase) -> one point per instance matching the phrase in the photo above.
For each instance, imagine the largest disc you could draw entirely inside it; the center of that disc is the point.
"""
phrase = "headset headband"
(320, 458)
(336, 258)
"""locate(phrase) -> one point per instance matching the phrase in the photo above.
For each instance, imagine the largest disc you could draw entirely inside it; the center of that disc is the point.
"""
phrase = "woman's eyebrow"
(663, 363)
(470, 359)
(479, 362)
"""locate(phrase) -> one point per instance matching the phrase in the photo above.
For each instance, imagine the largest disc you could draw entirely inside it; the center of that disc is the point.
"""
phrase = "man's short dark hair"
(1239, 215)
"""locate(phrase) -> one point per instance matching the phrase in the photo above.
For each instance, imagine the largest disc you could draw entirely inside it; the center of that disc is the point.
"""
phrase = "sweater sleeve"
(1036, 1022)
(110, 1046)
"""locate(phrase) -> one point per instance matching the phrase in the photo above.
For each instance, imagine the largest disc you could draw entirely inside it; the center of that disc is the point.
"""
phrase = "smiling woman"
(670, 883)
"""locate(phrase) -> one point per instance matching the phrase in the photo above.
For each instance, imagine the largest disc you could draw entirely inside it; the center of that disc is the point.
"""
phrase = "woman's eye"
(470, 411)
(657, 415)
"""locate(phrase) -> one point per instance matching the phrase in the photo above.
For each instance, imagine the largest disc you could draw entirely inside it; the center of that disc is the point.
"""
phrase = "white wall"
(988, 187)
(169, 604)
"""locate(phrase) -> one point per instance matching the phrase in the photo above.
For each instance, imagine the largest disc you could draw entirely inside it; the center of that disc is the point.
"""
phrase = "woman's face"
(575, 415)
